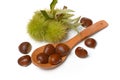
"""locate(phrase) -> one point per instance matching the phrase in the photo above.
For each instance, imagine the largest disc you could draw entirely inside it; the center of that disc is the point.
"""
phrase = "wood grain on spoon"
(71, 43)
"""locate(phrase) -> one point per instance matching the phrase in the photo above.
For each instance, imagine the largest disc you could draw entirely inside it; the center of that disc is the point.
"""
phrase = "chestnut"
(81, 52)
(62, 49)
(42, 58)
(55, 59)
(85, 22)
(25, 47)
(49, 49)
(24, 60)
(90, 42)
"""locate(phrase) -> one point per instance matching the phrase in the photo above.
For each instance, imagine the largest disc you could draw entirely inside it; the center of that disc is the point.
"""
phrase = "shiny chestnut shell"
(62, 49)
(55, 59)
(81, 52)
(24, 60)
(42, 58)
(25, 47)
(90, 42)
(85, 22)
(49, 49)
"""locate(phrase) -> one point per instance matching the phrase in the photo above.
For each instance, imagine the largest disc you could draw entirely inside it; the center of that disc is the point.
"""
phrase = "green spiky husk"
(41, 29)
(55, 32)
(36, 26)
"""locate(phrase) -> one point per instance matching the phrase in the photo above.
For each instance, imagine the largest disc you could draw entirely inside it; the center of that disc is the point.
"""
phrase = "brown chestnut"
(42, 58)
(55, 59)
(85, 22)
(24, 60)
(90, 42)
(25, 47)
(62, 49)
(81, 52)
(49, 49)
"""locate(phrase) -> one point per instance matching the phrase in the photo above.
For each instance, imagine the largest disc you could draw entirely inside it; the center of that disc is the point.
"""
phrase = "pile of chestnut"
(53, 55)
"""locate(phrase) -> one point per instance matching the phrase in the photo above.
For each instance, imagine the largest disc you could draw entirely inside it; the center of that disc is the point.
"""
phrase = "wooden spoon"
(71, 43)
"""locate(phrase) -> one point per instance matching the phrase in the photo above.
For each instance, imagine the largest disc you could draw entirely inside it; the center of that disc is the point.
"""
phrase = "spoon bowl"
(70, 43)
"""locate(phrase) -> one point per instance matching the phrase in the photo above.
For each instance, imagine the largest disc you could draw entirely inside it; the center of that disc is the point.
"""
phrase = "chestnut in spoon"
(70, 43)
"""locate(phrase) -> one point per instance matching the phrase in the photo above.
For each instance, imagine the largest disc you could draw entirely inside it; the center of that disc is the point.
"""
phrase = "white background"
(103, 62)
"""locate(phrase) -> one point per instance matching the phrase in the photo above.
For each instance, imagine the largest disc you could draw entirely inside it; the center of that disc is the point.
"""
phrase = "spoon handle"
(87, 32)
